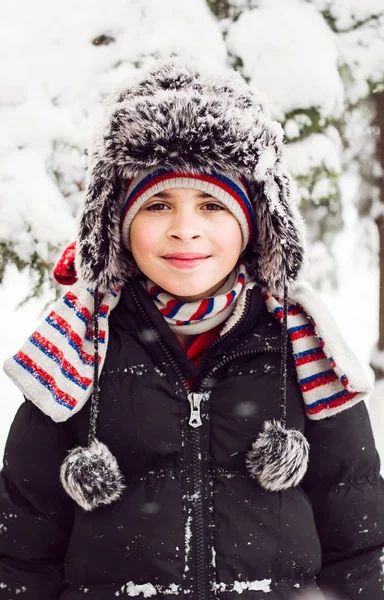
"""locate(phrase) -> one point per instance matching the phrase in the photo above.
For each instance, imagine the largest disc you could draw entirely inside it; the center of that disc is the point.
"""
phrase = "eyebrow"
(169, 195)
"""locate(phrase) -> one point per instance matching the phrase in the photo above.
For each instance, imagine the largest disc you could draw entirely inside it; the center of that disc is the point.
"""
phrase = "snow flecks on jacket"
(213, 557)
(19, 590)
(157, 370)
(147, 590)
(187, 540)
(263, 585)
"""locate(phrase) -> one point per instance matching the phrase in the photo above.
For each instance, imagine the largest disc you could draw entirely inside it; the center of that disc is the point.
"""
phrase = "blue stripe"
(70, 342)
(175, 310)
(316, 376)
(328, 399)
(55, 359)
(211, 302)
(44, 383)
(78, 314)
(233, 294)
(70, 304)
(280, 308)
(306, 352)
(92, 292)
(209, 309)
(299, 328)
(89, 338)
(144, 182)
(239, 193)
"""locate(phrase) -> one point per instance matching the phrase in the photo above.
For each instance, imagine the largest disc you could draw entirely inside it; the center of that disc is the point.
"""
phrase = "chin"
(187, 288)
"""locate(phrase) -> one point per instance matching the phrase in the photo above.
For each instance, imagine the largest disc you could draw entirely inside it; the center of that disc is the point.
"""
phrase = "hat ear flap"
(281, 239)
(101, 258)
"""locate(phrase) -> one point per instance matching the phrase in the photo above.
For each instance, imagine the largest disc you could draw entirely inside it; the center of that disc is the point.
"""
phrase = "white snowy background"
(53, 80)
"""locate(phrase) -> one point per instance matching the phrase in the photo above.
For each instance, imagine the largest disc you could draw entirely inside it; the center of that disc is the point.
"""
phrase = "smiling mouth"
(186, 263)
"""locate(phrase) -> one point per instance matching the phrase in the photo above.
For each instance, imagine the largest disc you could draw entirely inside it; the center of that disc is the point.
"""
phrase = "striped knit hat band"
(230, 190)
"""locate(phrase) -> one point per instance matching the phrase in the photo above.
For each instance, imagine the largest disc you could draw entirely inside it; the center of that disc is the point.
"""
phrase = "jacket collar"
(139, 303)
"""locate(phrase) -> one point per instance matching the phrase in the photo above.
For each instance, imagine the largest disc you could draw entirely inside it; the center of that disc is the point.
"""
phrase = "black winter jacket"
(191, 524)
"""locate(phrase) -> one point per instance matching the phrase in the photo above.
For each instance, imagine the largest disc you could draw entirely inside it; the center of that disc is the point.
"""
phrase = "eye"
(160, 207)
(212, 206)
(156, 207)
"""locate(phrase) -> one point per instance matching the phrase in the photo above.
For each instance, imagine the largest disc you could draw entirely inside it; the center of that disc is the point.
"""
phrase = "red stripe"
(48, 378)
(103, 309)
(304, 360)
(291, 312)
(78, 306)
(90, 333)
(229, 190)
(228, 301)
(60, 355)
(169, 306)
(200, 311)
(332, 404)
(297, 335)
(311, 385)
(74, 337)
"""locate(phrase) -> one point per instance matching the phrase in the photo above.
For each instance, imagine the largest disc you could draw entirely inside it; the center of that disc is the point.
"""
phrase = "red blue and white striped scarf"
(54, 367)
(197, 317)
(330, 376)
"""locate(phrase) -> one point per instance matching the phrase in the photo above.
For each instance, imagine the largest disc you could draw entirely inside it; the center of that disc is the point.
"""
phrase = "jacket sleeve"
(36, 515)
(347, 495)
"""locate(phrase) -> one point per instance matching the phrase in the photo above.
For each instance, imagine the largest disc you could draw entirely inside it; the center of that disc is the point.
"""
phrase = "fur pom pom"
(278, 459)
(91, 476)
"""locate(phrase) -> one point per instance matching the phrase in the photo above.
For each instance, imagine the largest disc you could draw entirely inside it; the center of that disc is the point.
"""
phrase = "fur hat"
(175, 117)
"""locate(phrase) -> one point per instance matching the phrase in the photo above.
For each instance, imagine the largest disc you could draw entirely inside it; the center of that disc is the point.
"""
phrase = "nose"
(185, 226)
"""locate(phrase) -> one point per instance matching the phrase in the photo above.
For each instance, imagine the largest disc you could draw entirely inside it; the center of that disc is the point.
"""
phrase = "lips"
(186, 260)
(186, 255)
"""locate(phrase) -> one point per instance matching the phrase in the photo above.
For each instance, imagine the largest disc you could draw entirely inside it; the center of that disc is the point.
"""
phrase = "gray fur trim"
(278, 459)
(91, 476)
(175, 117)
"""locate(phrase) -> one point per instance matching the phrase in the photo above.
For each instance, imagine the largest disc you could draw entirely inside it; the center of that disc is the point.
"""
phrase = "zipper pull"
(195, 416)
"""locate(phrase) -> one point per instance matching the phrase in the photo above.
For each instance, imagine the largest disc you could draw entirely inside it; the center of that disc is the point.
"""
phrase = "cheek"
(144, 236)
(228, 238)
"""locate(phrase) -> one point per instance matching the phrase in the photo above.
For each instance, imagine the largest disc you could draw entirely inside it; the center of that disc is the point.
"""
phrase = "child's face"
(185, 220)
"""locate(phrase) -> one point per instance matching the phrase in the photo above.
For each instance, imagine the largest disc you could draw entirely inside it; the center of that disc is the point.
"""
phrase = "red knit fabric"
(201, 343)
(64, 271)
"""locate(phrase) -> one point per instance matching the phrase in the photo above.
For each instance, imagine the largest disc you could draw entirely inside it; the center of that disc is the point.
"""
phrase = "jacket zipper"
(195, 416)
(195, 400)
(198, 488)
